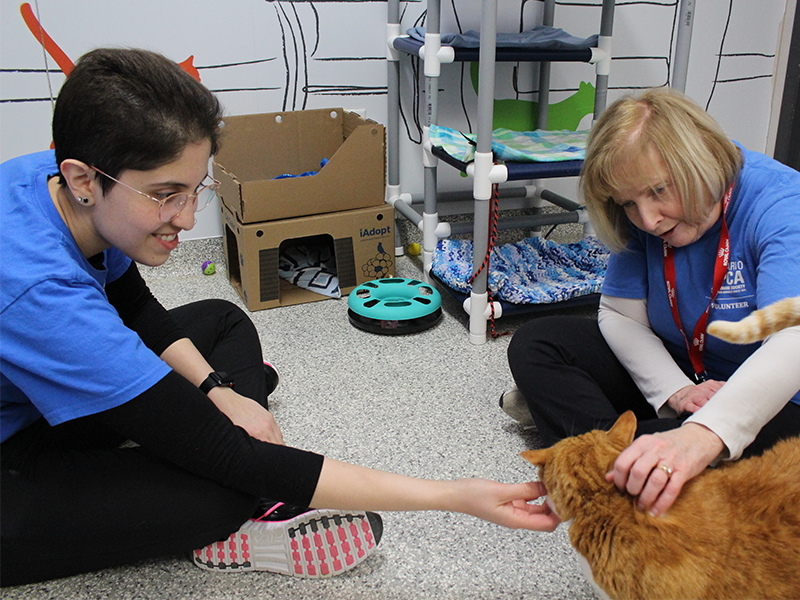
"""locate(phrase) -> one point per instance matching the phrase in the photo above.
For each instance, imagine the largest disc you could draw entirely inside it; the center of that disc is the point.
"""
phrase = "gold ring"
(666, 469)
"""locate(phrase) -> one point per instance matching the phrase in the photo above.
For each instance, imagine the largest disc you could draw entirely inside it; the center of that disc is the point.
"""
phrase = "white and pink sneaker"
(312, 544)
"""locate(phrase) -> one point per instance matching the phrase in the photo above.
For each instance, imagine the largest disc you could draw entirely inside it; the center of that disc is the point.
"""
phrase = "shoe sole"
(273, 378)
(513, 404)
(313, 545)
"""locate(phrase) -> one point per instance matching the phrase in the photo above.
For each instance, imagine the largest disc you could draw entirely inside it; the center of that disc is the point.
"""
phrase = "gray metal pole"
(432, 25)
(601, 85)
(486, 72)
(548, 18)
(683, 44)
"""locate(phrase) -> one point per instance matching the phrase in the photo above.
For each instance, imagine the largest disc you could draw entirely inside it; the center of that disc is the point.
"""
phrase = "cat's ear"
(538, 457)
(624, 430)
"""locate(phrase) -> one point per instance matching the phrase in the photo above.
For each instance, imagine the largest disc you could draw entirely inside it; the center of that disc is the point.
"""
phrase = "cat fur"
(734, 531)
(759, 324)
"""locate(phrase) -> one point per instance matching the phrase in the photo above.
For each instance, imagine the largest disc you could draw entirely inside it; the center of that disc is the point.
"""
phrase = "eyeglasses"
(171, 206)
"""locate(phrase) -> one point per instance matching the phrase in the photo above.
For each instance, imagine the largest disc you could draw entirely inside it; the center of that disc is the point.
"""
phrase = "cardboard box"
(362, 239)
(257, 148)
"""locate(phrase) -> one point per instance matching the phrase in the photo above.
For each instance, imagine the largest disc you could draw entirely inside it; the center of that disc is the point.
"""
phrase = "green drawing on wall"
(520, 115)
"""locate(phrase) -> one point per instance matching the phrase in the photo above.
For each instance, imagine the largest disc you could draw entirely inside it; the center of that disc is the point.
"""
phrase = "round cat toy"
(209, 268)
(394, 306)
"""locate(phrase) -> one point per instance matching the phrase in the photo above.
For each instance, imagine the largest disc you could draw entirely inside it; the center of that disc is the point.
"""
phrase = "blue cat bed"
(538, 43)
(533, 272)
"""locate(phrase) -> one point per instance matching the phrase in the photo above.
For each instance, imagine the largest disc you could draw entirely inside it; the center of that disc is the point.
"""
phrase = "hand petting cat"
(655, 467)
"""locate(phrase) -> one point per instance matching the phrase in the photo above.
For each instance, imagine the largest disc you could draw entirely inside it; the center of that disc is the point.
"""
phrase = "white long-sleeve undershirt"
(754, 394)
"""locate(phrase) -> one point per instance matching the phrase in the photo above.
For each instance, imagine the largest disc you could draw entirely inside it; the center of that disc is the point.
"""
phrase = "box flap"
(257, 148)
(264, 146)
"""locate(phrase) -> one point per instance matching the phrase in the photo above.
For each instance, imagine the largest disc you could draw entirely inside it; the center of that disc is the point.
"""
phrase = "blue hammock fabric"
(531, 271)
(540, 37)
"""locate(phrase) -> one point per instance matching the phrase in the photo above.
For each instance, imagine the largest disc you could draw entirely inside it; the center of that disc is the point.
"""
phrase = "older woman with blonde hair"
(701, 229)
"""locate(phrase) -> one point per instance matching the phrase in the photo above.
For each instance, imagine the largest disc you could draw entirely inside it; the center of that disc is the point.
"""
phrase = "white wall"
(269, 56)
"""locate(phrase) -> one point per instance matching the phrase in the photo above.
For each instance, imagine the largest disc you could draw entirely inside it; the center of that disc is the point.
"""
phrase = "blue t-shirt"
(64, 351)
(763, 219)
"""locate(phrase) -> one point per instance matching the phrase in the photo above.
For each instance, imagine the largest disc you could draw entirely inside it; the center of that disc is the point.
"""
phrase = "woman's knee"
(221, 315)
(222, 308)
(545, 331)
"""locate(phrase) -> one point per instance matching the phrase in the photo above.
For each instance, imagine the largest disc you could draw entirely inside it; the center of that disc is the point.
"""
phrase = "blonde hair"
(700, 159)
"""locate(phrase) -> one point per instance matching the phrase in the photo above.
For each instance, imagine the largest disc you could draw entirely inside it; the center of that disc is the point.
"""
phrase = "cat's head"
(574, 469)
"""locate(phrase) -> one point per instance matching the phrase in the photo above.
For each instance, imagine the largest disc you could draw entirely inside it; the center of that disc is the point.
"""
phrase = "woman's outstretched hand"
(507, 504)
(347, 486)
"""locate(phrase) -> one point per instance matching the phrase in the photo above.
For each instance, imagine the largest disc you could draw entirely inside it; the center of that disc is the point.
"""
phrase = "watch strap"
(216, 379)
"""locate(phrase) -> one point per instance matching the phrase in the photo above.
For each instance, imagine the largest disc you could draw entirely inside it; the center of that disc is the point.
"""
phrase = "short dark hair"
(123, 109)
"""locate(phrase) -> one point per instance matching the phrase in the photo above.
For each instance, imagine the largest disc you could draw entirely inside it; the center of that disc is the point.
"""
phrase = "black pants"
(573, 383)
(74, 501)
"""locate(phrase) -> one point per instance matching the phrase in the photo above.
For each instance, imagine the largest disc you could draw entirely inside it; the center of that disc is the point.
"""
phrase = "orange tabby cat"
(759, 324)
(734, 531)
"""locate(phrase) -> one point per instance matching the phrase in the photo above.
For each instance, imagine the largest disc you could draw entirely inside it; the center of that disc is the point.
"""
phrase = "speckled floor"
(423, 404)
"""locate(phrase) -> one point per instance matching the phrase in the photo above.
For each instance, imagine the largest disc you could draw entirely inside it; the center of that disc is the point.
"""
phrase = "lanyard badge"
(697, 347)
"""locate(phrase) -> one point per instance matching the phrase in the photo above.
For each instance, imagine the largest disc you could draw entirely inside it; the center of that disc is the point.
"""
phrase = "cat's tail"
(759, 324)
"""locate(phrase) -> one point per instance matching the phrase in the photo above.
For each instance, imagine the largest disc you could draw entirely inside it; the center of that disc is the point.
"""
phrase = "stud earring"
(83, 200)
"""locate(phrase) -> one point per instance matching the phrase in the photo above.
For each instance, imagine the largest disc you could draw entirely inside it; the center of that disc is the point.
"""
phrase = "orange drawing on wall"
(62, 60)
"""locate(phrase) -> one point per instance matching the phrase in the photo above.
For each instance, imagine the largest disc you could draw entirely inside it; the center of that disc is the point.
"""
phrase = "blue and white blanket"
(507, 145)
(532, 271)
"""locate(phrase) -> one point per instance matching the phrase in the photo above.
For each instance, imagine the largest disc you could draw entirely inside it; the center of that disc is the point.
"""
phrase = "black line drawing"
(300, 47)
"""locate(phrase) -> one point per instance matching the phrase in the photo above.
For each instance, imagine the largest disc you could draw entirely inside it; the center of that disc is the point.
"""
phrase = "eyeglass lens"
(174, 204)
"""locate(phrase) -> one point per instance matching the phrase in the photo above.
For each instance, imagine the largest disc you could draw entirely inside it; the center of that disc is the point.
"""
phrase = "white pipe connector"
(601, 56)
(481, 302)
(485, 173)
(393, 194)
(392, 32)
(443, 230)
(428, 159)
(434, 54)
(479, 309)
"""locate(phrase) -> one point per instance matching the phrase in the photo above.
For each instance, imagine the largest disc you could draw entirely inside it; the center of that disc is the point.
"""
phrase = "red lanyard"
(697, 347)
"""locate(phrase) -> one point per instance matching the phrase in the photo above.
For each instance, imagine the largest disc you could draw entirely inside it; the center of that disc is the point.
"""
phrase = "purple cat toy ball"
(209, 268)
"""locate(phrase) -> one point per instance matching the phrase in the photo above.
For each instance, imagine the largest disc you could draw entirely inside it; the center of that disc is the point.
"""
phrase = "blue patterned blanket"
(532, 271)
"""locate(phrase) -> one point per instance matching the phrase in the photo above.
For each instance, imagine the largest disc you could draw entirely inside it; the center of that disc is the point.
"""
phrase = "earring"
(83, 200)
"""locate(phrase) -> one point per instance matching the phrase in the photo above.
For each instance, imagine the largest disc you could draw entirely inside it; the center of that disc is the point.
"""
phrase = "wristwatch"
(217, 378)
